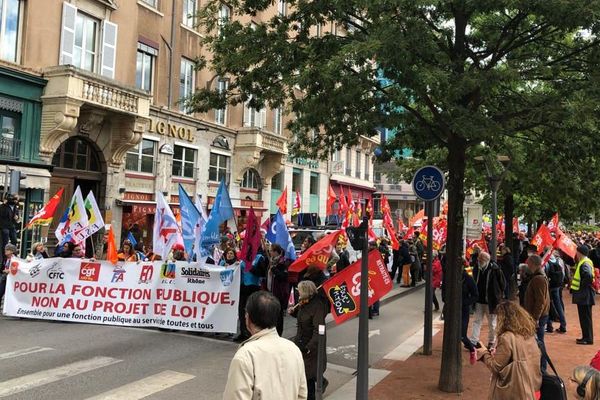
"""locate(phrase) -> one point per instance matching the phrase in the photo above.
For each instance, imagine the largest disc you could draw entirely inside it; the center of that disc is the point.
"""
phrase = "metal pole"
(494, 184)
(320, 351)
(362, 378)
(427, 329)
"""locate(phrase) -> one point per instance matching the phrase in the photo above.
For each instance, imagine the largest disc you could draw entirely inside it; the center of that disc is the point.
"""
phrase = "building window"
(224, 16)
(278, 121)
(10, 12)
(348, 162)
(358, 164)
(367, 166)
(337, 155)
(9, 135)
(186, 82)
(277, 181)
(85, 49)
(151, 3)
(254, 118)
(314, 183)
(282, 7)
(184, 160)
(219, 168)
(251, 180)
(141, 157)
(189, 13)
(319, 30)
(76, 153)
(297, 180)
(221, 114)
(144, 70)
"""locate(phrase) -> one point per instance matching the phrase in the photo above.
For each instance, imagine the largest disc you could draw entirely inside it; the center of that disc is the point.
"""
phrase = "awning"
(37, 178)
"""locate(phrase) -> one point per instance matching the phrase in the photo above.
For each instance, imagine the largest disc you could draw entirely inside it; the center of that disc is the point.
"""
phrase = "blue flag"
(278, 233)
(131, 239)
(190, 217)
(221, 211)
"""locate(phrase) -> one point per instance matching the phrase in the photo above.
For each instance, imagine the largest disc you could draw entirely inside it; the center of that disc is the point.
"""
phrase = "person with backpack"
(556, 277)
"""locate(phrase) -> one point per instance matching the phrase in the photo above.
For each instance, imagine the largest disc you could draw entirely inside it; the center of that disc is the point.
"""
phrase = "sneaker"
(473, 356)
(549, 330)
(561, 330)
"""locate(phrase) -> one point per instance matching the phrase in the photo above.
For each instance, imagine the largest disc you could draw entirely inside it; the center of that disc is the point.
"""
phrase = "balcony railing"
(10, 148)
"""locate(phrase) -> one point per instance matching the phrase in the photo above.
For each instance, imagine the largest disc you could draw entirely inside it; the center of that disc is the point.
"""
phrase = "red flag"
(417, 219)
(296, 206)
(515, 227)
(389, 227)
(564, 243)
(318, 254)
(111, 249)
(369, 209)
(372, 235)
(282, 202)
(440, 233)
(46, 213)
(385, 205)
(553, 224)
(542, 239)
(264, 228)
(343, 289)
(251, 240)
(401, 226)
(331, 198)
(481, 243)
(343, 203)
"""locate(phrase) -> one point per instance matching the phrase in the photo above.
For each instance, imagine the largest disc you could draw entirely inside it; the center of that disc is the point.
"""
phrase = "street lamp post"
(495, 169)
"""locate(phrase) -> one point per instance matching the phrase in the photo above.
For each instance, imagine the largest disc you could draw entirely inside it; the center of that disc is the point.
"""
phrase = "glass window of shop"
(184, 161)
(141, 157)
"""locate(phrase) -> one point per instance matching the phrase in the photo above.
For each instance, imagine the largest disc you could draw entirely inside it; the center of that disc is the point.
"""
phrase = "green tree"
(456, 73)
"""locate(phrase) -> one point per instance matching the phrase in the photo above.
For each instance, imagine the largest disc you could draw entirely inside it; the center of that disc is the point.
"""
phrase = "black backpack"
(553, 387)
(556, 275)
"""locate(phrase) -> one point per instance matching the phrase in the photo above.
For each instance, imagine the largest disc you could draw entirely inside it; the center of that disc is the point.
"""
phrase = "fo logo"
(146, 274)
(14, 267)
(89, 272)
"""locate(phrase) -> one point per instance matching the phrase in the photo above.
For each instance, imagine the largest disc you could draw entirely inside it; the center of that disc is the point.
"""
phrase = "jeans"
(539, 332)
(480, 311)
(374, 309)
(558, 306)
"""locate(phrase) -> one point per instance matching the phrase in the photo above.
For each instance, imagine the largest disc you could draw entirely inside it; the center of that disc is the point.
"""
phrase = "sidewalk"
(417, 377)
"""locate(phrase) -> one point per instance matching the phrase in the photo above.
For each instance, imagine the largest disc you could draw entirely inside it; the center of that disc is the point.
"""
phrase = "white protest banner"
(175, 295)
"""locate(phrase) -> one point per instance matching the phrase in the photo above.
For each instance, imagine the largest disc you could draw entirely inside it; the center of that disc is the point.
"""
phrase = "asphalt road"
(55, 360)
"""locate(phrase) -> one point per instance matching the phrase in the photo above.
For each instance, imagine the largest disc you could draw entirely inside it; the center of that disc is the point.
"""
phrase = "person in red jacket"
(436, 279)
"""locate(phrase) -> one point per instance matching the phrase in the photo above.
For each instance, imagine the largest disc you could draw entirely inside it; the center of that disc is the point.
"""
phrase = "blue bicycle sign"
(428, 183)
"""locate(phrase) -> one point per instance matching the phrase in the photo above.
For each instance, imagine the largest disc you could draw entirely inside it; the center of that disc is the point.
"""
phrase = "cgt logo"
(55, 272)
(146, 274)
(89, 272)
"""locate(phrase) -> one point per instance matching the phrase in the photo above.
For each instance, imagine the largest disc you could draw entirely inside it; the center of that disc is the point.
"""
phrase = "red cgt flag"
(282, 202)
(343, 290)
(553, 224)
(566, 244)
(318, 254)
(331, 198)
(542, 239)
(343, 203)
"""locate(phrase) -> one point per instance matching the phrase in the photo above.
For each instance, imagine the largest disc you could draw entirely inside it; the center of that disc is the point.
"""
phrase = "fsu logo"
(89, 272)
(14, 267)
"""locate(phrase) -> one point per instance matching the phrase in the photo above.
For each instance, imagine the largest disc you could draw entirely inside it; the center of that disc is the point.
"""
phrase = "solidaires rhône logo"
(195, 274)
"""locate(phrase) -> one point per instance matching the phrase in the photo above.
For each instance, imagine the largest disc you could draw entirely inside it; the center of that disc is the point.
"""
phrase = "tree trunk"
(451, 369)
(509, 208)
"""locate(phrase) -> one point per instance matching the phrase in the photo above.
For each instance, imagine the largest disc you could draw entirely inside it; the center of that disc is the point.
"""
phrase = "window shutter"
(109, 49)
(247, 112)
(263, 118)
(67, 39)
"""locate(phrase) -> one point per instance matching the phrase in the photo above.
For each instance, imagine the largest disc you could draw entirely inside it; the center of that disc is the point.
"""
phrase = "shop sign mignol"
(172, 130)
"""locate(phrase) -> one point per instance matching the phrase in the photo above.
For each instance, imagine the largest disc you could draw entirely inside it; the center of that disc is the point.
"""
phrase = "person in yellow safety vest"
(583, 293)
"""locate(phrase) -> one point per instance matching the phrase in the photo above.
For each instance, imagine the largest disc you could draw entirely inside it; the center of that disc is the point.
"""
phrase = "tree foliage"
(444, 74)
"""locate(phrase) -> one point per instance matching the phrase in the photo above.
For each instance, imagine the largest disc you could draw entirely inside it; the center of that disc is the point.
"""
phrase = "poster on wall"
(173, 295)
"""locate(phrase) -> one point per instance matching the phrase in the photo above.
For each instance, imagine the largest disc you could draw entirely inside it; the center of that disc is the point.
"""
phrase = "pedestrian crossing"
(135, 390)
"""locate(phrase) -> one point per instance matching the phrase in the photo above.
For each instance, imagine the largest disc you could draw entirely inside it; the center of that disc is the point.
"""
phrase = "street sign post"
(428, 185)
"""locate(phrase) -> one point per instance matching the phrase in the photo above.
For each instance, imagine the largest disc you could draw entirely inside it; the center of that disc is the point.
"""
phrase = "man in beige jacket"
(265, 366)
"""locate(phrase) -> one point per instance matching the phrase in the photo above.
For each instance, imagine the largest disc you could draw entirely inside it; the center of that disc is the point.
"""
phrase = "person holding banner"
(9, 252)
(128, 253)
(39, 251)
(310, 313)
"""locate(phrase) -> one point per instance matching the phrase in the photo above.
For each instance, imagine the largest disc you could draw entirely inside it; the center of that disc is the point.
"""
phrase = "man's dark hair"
(531, 247)
(277, 248)
(263, 309)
